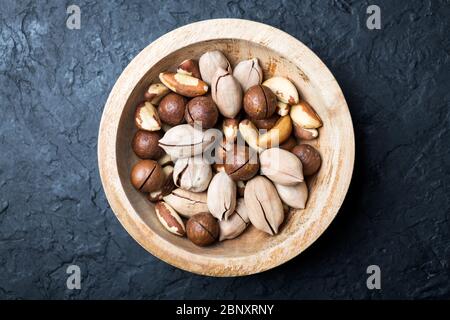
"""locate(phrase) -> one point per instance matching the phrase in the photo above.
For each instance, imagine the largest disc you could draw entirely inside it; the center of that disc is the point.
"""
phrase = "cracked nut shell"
(209, 62)
(260, 102)
(184, 141)
(226, 93)
(310, 158)
(265, 209)
(166, 187)
(147, 176)
(236, 224)
(192, 174)
(202, 111)
(145, 144)
(248, 73)
(187, 203)
(202, 229)
(221, 196)
(241, 163)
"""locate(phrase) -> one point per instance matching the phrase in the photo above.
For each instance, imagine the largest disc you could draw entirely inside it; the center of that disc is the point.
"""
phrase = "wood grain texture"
(279, 54)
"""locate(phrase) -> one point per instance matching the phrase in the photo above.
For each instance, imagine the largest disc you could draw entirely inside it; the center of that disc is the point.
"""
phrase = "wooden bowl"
(279, 54)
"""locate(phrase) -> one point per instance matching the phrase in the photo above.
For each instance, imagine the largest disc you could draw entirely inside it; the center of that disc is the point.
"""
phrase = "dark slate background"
(53, 212)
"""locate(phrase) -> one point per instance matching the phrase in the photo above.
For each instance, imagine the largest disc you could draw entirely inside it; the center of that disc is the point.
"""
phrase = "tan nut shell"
(221, 196)
(192, 174)
(248, 73)
(226, 93)
(169, 218)
(281, 166)
(184, 141)
(294, 196)
(283, 88)
(209, 62)
(236, 223)
(265, 209)
(187, 203)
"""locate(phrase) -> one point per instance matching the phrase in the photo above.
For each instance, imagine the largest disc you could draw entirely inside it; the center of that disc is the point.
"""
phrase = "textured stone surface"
(55, 81)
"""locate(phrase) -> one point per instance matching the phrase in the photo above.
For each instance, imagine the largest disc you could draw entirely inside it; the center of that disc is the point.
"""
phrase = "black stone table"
(54, 82)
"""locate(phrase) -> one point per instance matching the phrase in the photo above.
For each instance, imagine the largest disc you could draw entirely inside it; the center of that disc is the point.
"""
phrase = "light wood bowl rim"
(210, 30)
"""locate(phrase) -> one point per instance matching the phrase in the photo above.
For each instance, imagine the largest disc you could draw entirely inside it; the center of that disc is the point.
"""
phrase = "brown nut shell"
(289, 144)
(265, 210)
(266, 124)
(310, 158)
(145, 144)
(166, 187)
(202, 229)
(241, 163)
(147, 176)
(202, 111)
(260, 102)
(171, 109)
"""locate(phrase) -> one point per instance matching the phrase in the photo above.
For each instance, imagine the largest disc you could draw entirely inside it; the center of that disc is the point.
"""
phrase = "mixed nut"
(221, 148)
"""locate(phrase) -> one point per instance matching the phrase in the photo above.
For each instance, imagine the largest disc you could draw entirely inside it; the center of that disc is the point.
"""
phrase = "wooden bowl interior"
(252, 241)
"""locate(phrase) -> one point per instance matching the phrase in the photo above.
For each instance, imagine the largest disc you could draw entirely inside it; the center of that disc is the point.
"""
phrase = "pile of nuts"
(226, 157)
